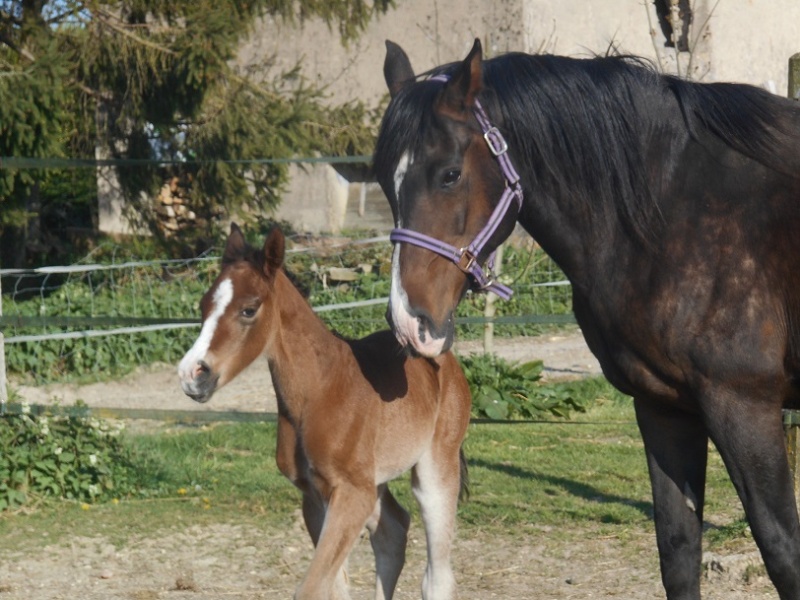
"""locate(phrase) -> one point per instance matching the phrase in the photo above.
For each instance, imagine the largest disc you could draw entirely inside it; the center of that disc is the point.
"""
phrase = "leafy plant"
(505, 390)
(73, 458)
(174, 292)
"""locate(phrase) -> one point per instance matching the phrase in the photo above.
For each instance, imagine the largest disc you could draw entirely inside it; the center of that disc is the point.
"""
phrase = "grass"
(587, 472)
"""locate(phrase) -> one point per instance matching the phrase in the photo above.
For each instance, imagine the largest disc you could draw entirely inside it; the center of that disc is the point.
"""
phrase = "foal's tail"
(463, 491)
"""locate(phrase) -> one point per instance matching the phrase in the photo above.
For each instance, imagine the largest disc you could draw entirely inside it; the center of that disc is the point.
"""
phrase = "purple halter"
(466, 258)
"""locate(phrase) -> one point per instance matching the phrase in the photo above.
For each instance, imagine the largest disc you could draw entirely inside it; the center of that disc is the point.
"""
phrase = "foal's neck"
(303, 349)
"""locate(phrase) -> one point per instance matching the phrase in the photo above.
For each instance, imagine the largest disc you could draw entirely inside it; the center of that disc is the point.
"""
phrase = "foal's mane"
(582, 128)
(255, 258)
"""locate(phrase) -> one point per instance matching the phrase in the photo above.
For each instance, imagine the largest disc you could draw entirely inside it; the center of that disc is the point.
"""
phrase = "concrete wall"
(746, 41)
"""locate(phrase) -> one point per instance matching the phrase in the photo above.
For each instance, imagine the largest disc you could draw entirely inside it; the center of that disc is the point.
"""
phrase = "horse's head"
(237, 311)
(443, 183)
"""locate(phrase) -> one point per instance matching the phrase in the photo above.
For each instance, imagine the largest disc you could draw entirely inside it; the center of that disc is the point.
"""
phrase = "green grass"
(587, 472)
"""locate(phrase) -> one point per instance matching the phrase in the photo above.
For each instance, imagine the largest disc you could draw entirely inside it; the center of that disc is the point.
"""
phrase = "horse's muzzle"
(201, 383)
(416, 330)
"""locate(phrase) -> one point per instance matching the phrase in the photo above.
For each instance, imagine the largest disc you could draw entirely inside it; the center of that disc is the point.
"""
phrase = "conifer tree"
(155, 79)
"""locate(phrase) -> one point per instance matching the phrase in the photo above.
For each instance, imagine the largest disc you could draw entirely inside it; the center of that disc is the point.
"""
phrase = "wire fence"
(112, 312)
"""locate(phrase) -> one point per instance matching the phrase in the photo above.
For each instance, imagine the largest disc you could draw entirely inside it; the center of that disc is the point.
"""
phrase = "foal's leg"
(293, 464)
(676, 445)
(347, 511)
(314, 517)
(388, 528)
(749, 435)
(436, 481)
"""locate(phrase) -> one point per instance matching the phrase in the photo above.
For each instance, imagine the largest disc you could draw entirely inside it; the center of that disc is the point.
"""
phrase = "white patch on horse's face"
(399, 175)
(220, 301)
(407, 326)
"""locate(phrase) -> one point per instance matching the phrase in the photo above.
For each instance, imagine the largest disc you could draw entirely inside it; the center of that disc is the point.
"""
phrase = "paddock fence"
(110, 310)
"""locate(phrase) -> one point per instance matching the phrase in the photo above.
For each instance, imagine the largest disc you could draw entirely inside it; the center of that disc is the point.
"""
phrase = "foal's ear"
(235, 246)
(274, 250)
(396, 68)
(459, 93)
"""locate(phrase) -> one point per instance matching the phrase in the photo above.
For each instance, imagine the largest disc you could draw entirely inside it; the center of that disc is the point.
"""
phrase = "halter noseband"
(466, 258)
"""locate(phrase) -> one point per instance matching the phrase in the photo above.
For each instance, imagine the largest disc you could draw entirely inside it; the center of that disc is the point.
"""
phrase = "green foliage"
(527, 479)
(504, 390)
(72, 458)
(159, 293)
(158, 81)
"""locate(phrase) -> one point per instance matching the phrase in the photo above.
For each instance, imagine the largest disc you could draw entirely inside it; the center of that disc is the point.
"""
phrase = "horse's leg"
(676, 445)
(388, 533)
(347, 511)
(314, 517)
(436, 481)
(748, 433)
(292, 463)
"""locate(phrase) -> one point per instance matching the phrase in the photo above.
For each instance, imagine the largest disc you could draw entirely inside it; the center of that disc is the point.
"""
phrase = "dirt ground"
(564, 355)
(223, 561)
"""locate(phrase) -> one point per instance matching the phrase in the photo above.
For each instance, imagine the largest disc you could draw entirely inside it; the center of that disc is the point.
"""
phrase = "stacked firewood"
(172, 208)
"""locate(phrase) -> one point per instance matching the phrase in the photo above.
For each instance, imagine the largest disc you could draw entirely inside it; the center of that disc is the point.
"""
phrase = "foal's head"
(237, 313)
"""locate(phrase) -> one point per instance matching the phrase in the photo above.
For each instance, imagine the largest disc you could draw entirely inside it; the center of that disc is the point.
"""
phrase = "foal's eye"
(451, 177)
(249, 312)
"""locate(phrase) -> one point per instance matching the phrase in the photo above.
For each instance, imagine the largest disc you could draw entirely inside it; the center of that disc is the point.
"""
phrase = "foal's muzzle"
(201, 383)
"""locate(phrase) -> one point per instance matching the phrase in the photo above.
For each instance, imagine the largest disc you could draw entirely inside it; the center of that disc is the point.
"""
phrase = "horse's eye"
(451, 177)
(249, 312)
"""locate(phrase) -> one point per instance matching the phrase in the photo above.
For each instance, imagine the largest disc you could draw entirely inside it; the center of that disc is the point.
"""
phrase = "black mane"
(581, 129)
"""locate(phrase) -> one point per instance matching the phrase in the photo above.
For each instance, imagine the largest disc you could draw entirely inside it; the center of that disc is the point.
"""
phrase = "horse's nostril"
(201, 369)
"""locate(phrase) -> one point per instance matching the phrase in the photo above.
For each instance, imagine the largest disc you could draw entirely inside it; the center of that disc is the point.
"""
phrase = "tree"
(154, 79)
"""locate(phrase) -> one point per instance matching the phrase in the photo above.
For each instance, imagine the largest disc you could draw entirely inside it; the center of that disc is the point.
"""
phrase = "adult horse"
(673, 208)
(352, 415)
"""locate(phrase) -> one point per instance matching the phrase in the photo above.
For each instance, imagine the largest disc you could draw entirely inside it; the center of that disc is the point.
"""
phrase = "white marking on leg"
(221, 299)
(438, 508)
(691, 499)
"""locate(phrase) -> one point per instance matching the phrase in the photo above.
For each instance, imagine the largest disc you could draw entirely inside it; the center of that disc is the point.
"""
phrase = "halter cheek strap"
(466, 258)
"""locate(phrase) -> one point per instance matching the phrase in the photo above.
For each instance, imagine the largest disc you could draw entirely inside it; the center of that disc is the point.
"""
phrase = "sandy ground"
(221, 561)
(564, 355)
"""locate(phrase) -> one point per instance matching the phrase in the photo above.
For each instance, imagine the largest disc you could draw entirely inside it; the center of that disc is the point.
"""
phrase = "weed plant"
(66, 457)
(505, 390)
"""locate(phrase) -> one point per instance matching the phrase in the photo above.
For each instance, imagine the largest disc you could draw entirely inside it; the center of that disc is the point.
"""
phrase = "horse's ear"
(396, 68)
(459, 93)
(274, 250)
(234, 246)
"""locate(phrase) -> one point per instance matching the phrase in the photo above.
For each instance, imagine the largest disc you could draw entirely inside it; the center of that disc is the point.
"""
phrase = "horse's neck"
(303, 350)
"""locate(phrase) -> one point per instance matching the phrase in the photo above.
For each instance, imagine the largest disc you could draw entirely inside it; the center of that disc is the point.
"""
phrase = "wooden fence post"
(3, 382)
(791, 418)
(791, 425)
(489, 310)
(794, 77)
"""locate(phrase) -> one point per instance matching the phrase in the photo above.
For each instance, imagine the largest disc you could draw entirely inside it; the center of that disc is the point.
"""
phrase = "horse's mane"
(255, 257)
(582, 128)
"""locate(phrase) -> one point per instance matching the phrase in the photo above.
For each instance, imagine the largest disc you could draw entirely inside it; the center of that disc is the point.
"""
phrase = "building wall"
(746, 41)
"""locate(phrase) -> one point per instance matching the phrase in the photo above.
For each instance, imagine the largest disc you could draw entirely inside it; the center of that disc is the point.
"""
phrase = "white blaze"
(406, 325)
(399, 175)
(220, 301)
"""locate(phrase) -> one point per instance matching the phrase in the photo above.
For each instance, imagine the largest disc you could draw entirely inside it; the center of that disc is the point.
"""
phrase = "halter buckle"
(471, 258)
(495, 140)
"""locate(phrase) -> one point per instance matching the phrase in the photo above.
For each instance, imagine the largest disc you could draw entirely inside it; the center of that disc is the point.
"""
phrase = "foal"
(352, 415)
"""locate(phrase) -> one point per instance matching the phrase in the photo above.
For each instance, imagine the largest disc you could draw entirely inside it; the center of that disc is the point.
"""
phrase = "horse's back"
(425, 384)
